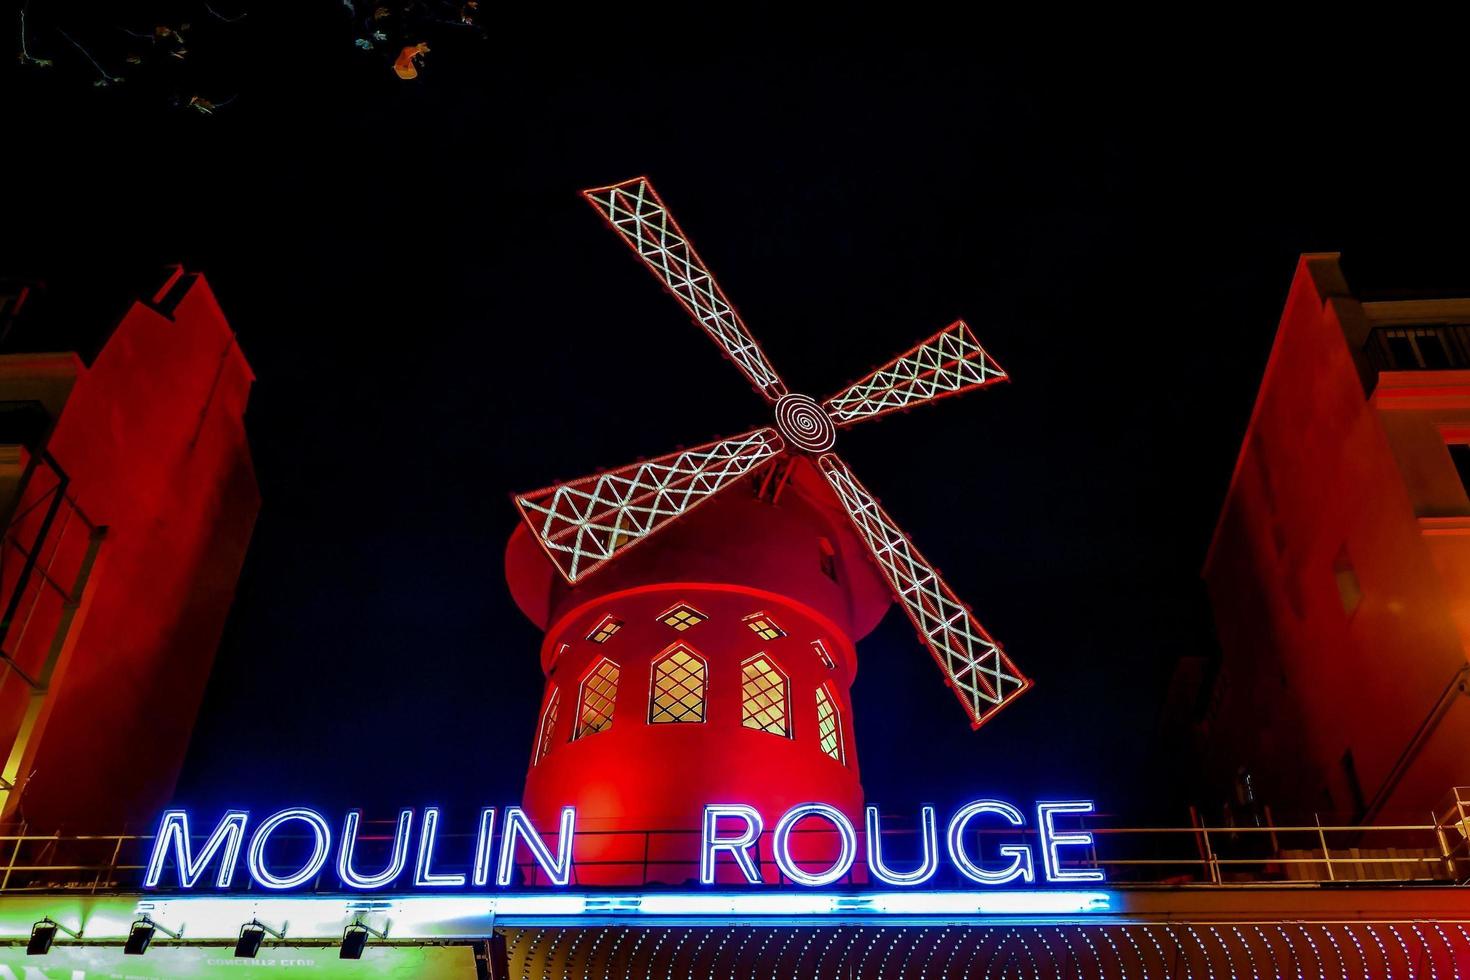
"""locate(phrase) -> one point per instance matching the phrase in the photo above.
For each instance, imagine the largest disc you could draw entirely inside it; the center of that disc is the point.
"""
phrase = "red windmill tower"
(714, 664)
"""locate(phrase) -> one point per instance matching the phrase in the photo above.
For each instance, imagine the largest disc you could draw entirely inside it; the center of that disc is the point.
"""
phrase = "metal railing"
(1307, 854)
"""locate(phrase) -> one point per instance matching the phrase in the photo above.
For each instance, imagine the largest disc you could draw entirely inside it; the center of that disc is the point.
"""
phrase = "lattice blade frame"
(974, 666)
(950, 362)
(583, 523)
(634, 210)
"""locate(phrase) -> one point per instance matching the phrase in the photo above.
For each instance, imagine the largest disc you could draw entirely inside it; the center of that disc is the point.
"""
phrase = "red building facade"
(1339, 571)
(130, 482)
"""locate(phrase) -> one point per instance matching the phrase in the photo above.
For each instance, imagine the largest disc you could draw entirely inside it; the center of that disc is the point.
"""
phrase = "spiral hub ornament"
(804, 424)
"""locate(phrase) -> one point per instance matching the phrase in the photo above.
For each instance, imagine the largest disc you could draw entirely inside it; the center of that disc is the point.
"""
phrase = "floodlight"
(355, 937)
(43, 934)
(140, 936)
(252, 934)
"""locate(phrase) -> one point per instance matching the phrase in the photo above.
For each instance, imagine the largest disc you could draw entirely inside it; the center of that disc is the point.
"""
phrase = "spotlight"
(355, 937)
(140, 936)
(252, 934)
(43, 934)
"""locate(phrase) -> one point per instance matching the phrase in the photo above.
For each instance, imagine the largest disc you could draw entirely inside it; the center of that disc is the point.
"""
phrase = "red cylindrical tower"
(710, 665)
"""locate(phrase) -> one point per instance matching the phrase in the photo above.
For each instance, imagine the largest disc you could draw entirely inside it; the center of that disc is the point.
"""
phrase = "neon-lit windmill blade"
(584, 524)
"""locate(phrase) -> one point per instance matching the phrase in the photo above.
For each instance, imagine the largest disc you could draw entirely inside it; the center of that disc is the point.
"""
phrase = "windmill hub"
(804, 424)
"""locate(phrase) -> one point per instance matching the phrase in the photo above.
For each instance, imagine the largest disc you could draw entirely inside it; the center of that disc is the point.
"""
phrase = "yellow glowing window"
(829, 724)
(599, 695)
(548, 724)
(764, 626)
(763, 696)
(823, 655)
(605, 629)
(682, 617)
(677, 694)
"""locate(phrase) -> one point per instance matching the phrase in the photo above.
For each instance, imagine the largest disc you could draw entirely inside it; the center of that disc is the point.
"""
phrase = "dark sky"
(437, 319)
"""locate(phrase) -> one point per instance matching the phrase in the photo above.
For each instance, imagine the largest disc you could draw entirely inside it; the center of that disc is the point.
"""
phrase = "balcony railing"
(1419, 347)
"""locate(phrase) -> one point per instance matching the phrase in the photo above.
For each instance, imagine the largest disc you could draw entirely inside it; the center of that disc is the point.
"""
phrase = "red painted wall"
(153, 439)
(1333, 485)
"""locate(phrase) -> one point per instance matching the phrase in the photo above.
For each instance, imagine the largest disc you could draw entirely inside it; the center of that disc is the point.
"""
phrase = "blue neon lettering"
(928, 864)
(1021, 865)
(738, 847)
(1046, 814)
(517, 824)
(173, 830)
(255, 856)
(399, 857)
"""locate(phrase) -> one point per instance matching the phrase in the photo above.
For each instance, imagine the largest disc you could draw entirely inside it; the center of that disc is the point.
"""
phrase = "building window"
(823, 655)
(1348, 589)
(1460, 456)
(763, 696)
(764, 626)
(829, 724)
(827, 555)
(682, 617)
(548, 724)
(606, 628)
(677, 692)
(1421, 348)
(599, 695)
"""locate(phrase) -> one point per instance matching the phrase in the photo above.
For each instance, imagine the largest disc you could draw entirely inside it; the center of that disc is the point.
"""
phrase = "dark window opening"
(828, 558)
(1355, 788)
(1460, 456)
(1432, 351)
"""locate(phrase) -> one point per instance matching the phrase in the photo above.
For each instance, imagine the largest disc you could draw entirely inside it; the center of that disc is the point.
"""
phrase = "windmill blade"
(637, 214)
(584, 523)
(975, 668)
(947, 363)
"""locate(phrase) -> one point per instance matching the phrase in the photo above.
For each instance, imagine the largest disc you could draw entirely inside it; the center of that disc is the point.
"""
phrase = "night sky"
(437, 319)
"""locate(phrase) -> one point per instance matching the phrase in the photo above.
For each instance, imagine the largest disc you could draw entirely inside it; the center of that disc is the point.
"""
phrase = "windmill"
(648, 532)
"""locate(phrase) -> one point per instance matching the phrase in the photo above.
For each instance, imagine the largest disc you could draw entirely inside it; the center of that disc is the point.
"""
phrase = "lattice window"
(677, 692)
(763, 696)
(604, 629)
(599, 696)
(682, 617)
(548, 724)
(829, 724)
(764, 626)
(823, 655)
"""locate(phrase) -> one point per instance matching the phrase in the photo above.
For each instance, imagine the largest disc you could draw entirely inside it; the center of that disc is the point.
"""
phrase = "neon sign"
(729, 830)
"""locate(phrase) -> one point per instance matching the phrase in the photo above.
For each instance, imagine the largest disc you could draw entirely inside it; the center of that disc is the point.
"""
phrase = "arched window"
(599, 695)
(763, 696)
(548, 724)
(829, 724)
(676, 693)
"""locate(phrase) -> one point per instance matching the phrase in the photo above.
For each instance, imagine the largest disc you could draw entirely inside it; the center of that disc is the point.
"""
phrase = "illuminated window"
(599, 694)
(548, 724)
(682, 617)
(764, 626)
(605, 629)
(677, 694)
(823, 655)
(829, 724)
(763, 696)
